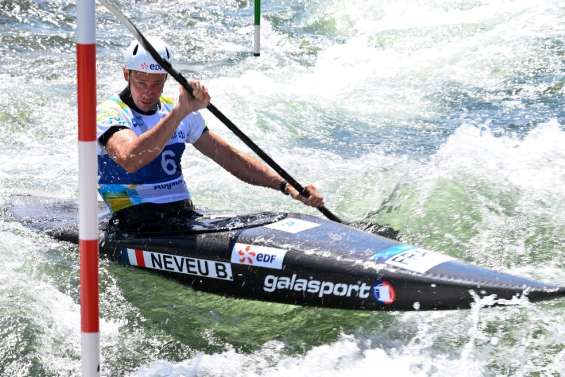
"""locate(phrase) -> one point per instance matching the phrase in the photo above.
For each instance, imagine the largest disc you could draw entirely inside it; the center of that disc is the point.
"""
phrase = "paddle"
(182, 81)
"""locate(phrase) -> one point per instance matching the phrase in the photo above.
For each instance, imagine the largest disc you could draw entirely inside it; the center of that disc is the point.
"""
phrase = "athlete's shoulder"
(113, 112)
(194, 125)
(166, 100)
(113, 102)
(111, 108)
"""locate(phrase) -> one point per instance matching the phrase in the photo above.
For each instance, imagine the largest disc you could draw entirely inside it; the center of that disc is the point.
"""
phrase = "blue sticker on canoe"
(410, 258)
(384, 255)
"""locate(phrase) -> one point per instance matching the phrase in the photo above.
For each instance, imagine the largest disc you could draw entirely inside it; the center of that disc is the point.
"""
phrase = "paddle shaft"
(182, 81)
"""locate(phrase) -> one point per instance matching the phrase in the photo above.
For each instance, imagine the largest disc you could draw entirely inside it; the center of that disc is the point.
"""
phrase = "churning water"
(443, 118)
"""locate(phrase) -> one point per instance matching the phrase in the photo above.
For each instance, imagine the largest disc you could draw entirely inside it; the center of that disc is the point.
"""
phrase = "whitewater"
(444, 119)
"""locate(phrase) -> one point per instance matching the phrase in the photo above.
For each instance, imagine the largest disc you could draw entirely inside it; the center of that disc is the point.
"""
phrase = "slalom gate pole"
(257, 46)
(88, 220)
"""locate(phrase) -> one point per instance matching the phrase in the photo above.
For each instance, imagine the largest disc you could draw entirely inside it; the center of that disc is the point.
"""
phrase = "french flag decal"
(136, 257)
(384, 292)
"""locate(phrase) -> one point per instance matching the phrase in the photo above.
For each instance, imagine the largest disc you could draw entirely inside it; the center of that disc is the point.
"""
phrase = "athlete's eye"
(152, 85)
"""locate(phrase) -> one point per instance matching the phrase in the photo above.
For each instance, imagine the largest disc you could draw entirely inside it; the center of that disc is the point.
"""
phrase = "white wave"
(346, 357)
(473, 343)
(534, 164)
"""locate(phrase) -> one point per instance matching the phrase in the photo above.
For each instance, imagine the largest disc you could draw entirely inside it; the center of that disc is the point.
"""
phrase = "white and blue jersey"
(160, 181)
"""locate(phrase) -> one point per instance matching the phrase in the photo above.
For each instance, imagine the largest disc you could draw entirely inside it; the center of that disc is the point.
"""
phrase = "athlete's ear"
(126, 74)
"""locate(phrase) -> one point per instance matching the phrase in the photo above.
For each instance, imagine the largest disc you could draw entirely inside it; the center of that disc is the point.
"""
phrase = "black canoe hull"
(295, 259)
(328, 265)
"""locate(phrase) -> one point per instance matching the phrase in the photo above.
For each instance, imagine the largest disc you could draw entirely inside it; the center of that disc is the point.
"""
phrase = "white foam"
(345, 357)
(385, 64)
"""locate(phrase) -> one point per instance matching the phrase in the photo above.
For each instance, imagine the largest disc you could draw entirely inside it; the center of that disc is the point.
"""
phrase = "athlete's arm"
(249, 169)
(133, 152)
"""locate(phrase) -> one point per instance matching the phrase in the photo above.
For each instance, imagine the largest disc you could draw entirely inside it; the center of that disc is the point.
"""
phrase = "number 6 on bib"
(168, 162)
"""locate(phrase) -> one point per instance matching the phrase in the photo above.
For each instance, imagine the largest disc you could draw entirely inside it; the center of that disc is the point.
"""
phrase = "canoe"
(294, 259)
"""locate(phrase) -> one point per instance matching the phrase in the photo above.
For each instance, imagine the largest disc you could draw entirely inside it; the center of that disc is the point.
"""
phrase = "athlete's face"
(146, 88)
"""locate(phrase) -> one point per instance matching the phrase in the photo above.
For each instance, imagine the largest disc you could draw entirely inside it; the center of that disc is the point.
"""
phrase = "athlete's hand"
(315, 199)
(200, 100)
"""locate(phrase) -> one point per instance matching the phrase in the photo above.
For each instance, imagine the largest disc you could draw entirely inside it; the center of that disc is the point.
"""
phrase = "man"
(142, 136)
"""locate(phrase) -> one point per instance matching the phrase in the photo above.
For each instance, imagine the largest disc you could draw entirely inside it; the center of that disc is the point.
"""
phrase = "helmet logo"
(150, 67)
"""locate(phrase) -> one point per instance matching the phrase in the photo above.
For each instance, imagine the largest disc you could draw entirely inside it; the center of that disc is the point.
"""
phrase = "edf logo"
(246, 256)
(266, 258)
(152, 67)
(258, 256)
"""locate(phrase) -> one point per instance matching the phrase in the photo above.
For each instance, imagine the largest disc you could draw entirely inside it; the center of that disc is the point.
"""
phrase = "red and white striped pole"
(88, 219)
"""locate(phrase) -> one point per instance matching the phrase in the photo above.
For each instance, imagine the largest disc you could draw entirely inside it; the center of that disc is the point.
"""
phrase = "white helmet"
(137, 59)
